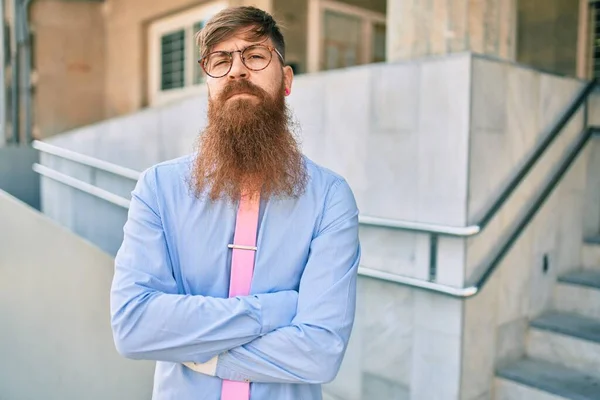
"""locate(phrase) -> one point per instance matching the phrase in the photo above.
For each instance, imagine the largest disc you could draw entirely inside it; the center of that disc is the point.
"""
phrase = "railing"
(485, 270)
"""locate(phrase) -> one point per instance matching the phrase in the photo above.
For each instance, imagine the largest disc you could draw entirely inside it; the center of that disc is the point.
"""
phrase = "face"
(248, 145)
(273, 79)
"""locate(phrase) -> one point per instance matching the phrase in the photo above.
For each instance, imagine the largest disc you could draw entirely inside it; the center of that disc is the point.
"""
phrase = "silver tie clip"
(240, 247)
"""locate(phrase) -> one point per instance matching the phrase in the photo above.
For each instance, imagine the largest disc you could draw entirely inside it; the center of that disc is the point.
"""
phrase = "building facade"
(460, 102)
(94, 60)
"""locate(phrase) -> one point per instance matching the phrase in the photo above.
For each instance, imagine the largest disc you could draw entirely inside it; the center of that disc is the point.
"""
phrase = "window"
(341, 40)
(379, 33)
(343, 35)
(198, 73)
(594, 14)
(172, 58)
(173, 69)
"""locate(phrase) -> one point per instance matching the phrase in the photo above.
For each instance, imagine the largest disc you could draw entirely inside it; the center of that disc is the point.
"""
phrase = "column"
(417, 28)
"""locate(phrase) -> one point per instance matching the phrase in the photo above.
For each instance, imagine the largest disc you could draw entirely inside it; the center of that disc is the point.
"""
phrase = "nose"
(238, 69)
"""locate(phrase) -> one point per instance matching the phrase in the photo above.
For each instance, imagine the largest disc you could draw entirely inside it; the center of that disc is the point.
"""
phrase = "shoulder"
(338, 205)
(166, 177)
(329, 183)
(170, 171)
(320, 175)
(174, 166)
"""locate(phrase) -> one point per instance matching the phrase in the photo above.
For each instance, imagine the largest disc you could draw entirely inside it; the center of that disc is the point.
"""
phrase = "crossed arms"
(284, 337)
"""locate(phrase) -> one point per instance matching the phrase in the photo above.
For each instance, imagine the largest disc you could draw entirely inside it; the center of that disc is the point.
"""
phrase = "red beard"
(248, 147)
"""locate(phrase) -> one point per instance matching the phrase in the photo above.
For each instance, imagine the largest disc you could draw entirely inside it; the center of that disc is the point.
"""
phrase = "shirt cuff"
(226, 369)
(207, 368)
(277, 310)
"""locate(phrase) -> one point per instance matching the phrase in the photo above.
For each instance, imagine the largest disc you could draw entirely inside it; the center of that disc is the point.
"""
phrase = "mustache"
(242, 86)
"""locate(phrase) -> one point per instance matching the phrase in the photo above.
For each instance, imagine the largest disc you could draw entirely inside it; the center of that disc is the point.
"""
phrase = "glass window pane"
(378, 43)
(198, 73)
(341, 40)
(172, 60)
(595, 40)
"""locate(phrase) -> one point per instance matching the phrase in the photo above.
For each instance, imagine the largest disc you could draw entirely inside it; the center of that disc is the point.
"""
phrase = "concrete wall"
(69, 63)
(512, 109)
(17, 176)
(368, 131)
(386, 113)
(56, 341)
(592, 198)
(592, 195)
(428, 140)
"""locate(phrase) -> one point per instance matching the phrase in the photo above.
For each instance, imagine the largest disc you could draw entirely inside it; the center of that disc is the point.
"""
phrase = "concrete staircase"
(562, 359)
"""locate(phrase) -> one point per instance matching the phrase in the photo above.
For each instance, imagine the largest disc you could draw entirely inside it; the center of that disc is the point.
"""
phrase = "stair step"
(575, 298)
(569, 324)
(563, 347)
(578, 292)
(505, 389)
(584, 277)
(551, 378)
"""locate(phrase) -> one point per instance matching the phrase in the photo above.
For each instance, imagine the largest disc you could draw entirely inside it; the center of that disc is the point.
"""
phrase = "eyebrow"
(264, 41)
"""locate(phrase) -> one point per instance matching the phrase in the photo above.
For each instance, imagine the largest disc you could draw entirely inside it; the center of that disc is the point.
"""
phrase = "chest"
(201, 259)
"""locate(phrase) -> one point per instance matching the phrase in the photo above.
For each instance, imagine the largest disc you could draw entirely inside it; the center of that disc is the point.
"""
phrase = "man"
(171, 299)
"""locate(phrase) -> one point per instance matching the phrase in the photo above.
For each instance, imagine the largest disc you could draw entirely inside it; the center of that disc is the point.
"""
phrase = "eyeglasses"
(256, 58)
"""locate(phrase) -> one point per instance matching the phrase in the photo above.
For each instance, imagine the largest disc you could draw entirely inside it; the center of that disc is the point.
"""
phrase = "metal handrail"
(86, 160)
(415, 226)
(537, 153)
(422, 227)
(434, 230)
(364, 271)
(452, 291)
(118, 170)
(81, 185)
(487, 269)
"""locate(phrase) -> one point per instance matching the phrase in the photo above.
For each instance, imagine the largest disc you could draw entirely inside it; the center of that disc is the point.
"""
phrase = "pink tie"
(242, 267)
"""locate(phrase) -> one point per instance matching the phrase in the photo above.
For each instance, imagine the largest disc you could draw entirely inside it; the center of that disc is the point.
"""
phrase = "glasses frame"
(202, 61)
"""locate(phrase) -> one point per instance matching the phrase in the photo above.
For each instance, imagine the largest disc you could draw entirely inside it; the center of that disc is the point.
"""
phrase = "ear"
(288, 77)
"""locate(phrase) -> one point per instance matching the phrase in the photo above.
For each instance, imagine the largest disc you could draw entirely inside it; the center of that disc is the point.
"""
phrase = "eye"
(217, 59)
(256, 56)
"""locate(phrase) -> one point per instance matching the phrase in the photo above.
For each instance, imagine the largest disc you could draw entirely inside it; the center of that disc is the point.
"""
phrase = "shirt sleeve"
(311, 348)
(151, 320)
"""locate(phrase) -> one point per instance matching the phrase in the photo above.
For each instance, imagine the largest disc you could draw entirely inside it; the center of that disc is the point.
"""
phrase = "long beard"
(248, 147)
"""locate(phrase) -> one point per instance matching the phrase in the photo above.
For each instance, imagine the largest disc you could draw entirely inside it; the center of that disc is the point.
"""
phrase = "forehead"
(238, 41)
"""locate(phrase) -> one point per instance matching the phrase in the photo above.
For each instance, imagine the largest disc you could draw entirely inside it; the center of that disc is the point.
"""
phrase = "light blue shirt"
(171, 282)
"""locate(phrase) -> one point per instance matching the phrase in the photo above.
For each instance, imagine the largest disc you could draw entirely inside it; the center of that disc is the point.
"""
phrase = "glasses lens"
(217, 64)
(256, 57)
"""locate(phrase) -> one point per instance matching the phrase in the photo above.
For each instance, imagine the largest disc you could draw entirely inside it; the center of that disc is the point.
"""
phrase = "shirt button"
(247, 380)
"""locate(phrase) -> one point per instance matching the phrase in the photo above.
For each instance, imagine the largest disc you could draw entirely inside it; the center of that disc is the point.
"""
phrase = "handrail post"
(586, 112)
(433, 252)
